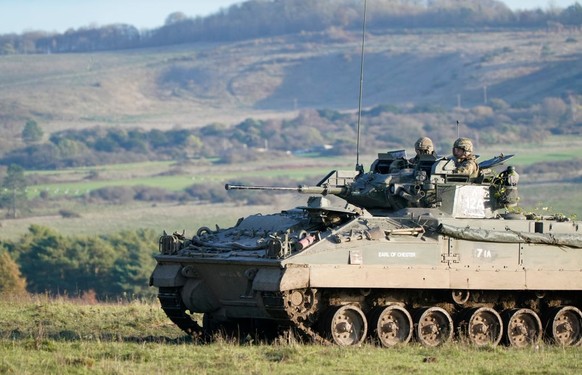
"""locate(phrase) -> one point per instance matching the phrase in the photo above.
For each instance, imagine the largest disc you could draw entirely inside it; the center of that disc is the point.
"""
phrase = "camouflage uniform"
(466, 164)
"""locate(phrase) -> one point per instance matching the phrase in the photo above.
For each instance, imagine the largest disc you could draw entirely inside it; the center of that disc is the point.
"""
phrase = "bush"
(212, 193)
(234, 155)
(114, 194)
(68, 214)
(153, 194)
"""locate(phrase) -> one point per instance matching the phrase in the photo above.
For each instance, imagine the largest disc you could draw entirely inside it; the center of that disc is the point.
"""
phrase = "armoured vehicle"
(415, 253)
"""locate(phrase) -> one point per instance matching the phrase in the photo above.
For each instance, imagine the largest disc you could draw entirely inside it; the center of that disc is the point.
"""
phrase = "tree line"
(265, 18)
(326, 132)
(111, 266)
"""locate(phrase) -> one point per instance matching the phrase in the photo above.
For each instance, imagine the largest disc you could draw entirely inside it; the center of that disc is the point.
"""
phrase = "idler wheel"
(522, 327)
(564, 325)
(481, 326)
(345, 325)
(392, 325)
(434, 326)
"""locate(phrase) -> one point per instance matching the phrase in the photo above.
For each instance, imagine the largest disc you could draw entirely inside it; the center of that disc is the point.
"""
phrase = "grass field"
(42, 335)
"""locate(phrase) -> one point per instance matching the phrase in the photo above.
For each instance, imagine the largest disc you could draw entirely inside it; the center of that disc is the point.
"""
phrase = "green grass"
(172, 183)
(153, 165)
(41, 335)
(183, 358)
(555, 148)
(554, 198)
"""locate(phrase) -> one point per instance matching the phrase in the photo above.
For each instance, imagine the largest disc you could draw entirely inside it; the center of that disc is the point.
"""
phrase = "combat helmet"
(464, 144)
(423, 146)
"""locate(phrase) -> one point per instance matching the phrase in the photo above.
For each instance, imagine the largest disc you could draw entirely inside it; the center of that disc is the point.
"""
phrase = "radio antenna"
(359, 167)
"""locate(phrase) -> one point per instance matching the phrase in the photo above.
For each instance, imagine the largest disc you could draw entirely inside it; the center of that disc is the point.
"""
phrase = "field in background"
(177, 176)
(41, 335)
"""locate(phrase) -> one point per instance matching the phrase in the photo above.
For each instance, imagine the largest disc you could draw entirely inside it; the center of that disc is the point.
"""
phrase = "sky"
(17, 16)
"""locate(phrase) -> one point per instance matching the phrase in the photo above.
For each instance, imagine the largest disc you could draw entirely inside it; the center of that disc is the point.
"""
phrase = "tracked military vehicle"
(415, 253)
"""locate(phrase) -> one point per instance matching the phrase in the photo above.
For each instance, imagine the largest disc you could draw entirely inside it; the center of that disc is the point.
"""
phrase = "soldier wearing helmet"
(422, 146)
(465, 161)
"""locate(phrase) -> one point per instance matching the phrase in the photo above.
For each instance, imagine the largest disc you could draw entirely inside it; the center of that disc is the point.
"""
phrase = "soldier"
(464, 159)
(422, 146)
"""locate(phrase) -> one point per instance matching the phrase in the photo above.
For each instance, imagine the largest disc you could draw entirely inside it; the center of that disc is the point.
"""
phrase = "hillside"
(197, 84)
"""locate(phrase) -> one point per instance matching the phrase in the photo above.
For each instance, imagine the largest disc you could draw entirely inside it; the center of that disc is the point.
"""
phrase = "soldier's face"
(458, 152)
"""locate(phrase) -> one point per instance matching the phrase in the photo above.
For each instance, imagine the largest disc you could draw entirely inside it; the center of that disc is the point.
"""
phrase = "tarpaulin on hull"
(509, 236)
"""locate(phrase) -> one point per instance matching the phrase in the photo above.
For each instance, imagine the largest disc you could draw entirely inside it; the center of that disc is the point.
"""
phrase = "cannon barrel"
(323, 190)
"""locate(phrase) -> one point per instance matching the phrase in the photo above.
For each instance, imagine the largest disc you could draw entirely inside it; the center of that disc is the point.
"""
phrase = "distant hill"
(252, 19)
(197, 84)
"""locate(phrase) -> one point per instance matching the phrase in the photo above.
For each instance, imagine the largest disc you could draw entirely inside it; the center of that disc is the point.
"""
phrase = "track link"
(175, 309)
(303, 309)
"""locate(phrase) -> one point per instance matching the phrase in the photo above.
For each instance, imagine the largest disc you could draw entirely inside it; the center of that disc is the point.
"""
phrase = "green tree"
(59, 264)
(32, 132)
(135, 262)
(92, 259)
(13, 195)
(44, 261)
(11, 281)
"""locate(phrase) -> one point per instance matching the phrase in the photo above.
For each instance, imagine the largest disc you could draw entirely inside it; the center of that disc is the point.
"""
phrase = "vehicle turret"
(392, 183)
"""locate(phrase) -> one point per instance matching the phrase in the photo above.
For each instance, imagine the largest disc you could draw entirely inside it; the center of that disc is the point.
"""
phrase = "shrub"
(68, 214)
(211, 193)
(234, 155)
(115, 194)
(153, 194)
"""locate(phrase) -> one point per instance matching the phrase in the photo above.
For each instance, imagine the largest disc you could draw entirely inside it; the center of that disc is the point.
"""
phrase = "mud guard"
(167, 275)
(295, 277)
(273, 280)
